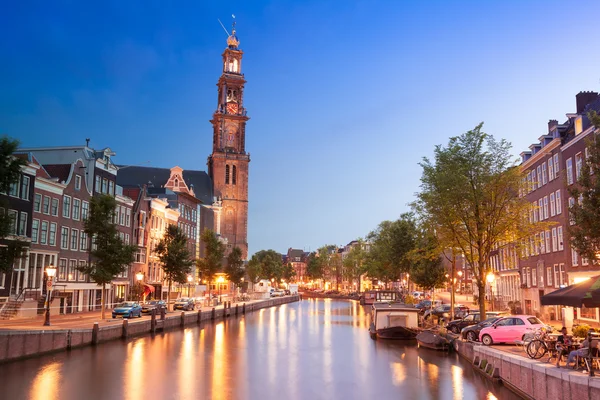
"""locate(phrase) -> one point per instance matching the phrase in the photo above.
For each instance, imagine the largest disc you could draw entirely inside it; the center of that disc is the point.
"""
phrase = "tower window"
(233, 175)
(227, 174)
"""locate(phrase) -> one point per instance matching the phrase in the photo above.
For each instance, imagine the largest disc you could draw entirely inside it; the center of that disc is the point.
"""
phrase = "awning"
(148, 289)
(586, 293)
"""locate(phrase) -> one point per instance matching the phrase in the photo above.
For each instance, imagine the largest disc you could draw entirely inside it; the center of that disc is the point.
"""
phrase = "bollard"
(236, 310)
(224, 309)
(95, 331)
(212, 314)
(69, 338)
(199, 316)
(244, 308)
(182, 318)
(163, 313)
(153, 321)
(125, 328)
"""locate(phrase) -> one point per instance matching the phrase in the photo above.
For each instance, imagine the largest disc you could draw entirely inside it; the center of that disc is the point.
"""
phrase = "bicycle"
(537, 347)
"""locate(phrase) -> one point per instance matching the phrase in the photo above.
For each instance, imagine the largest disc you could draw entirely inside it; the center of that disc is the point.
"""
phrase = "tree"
(234, 270)
(174, 256)
(585, 213)
(427, 269)
(265, 264)
(10, 172)
(354, 262)
(314, 269)
(288, 272)
(213, 256)
(110, 255)
(391, 244)
(470, 194)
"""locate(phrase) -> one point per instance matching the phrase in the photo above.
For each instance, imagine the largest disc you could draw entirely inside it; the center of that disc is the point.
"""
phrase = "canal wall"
(17, 344)
(531, 379)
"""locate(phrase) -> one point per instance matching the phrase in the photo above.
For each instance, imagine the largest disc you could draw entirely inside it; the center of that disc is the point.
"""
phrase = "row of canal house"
(51, 201)
(547, 261)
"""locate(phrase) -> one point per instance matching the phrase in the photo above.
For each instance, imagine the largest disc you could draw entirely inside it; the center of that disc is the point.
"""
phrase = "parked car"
(472, 332)
(127, 309)
(418, 295)
(509, 329)
(185, 304)
(443, 311)
(424, 305)
(276, 292)
(457, 325)
(157, 305)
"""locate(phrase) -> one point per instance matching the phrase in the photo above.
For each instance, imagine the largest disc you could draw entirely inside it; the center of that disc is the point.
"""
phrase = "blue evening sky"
(345, 97)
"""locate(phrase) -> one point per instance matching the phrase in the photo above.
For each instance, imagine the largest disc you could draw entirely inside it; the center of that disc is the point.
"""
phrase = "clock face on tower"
(232, 108)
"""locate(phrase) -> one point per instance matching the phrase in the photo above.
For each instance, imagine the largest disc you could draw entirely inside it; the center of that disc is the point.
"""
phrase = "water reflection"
(315, 349)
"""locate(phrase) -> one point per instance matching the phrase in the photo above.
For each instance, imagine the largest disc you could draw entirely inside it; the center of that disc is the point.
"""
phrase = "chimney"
(552, 124)
(582, 99)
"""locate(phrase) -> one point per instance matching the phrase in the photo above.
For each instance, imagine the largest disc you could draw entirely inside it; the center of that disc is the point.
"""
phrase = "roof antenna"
(223, 26)
(87, 142)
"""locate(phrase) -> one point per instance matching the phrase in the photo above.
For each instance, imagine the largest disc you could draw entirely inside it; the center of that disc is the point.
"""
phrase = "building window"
(104, 185)
(227, 174)
(81, 275)
(556, 276)
(25, 187)
(72, 270)
(574, 257)
(547, 241)
(569, 171)
(74, 239)
(22, 229)
(534, 277)
(127, 238)
(122, 216)
(37, 202)
(554, 240)
(64, 238)
(571, 204)
(128, 217)
(549, 276)
(559, 232)
(83, 241)
(13, 190)
(587, 313)
(46, 205)
(44, 233)
(12, 221)
(97, 187)
(544, 176)
(552, 205)
(545, 207)
(578, 165)
(84, 210)
(563, 274)
(54, 207)
(76, 209)
(542, 242)
(66, 207)
(52, 234)
(234, 175)
(62, 269)
(35, 228)
(556, 165)
(539, 174)
(558, 203)
(534, 182)
(77, 182)
(111, 188)
(541, 208)
(550, 169)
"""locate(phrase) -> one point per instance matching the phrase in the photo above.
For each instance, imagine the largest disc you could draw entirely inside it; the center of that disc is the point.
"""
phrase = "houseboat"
(376, 296)
(394, 321)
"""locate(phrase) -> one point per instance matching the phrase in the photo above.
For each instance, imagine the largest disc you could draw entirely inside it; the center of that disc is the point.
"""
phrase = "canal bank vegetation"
(267, 264)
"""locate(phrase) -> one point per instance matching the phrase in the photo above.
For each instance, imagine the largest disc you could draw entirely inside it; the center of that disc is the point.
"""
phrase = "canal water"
(314, 349)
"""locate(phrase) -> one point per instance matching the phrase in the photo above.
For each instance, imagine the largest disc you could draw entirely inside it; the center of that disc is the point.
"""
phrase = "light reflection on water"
(315, 349)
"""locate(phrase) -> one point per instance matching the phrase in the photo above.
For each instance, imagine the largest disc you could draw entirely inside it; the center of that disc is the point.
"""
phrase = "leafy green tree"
(585, 213)
(234, 270)
(314, 268)
(254, 270)
(427, 269)
(287, 272)
(10, 171)
(354, 262)
(110, 256)
(470, 193)
(265, 264)
(213, 256)
(391, 245)
(175, 257)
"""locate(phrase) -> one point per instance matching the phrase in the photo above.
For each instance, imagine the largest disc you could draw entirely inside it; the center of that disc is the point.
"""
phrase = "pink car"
(509, 329)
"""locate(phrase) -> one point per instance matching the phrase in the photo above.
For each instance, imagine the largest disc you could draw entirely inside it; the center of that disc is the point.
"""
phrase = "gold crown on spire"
(232, 41)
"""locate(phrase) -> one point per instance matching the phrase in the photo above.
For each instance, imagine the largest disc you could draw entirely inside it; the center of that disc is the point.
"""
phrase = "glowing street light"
(189, 279)
(491, 278)
(50, 272)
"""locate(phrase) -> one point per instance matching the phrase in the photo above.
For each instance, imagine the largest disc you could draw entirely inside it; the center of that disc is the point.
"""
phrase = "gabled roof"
(60, 171)
(293, 253)
(158, 177)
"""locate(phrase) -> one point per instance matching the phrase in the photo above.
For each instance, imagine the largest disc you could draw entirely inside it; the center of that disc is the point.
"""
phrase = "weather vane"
(223, 26)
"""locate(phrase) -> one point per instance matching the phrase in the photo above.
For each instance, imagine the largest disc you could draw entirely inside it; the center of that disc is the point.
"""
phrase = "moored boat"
(380, 296)
(394, 321)
(432, 340)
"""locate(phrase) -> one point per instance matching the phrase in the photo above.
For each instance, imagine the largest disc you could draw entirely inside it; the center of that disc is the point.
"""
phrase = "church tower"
(228, 163)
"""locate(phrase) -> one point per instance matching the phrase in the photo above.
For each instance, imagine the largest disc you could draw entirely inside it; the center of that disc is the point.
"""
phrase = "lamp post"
(139, 277)
(189, 279)
(50, 272)
(490, 278)
(220, 280)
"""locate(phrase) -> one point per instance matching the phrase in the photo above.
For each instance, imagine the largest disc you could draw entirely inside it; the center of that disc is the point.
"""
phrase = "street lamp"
(189, 279)
(139, 276)
(490, 278)
(50, 272)
(220, 280)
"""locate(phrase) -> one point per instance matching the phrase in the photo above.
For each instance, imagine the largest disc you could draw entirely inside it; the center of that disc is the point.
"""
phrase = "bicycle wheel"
(536, 349)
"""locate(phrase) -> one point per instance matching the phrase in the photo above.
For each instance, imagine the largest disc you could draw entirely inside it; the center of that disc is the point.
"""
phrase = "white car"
(277, 292)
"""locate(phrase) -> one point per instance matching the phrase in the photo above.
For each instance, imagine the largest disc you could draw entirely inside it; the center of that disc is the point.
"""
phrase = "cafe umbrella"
(586, 293)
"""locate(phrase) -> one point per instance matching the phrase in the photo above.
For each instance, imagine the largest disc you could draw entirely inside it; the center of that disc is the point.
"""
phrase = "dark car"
(157, 305)
(457, 325)
(425, 305)
(443, 311)
(472, 332)
(185, 304)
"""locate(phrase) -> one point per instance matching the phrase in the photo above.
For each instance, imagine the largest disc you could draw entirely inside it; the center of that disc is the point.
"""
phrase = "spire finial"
(233, 24)
(232, 41)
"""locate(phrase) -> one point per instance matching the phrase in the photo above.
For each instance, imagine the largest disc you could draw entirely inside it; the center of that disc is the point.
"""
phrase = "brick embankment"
(531, 379)
(25, 340)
